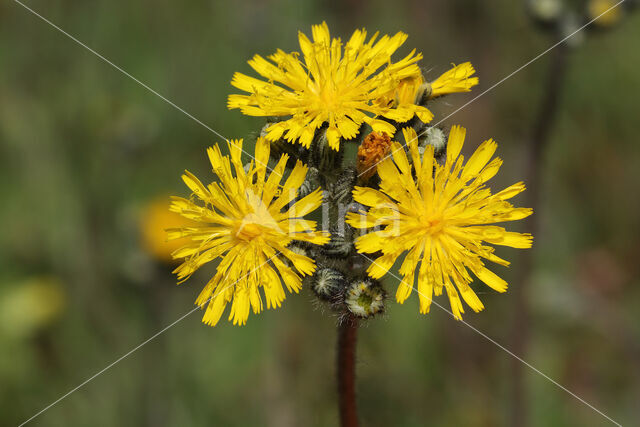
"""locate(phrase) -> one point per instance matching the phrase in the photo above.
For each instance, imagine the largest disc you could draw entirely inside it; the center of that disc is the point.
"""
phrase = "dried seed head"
(375, 147)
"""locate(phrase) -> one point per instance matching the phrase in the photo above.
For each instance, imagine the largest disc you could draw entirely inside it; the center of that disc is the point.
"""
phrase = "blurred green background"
(84, 150)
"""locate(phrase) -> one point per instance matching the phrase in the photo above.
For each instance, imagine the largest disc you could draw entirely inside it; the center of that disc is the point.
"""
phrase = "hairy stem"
(347, 334)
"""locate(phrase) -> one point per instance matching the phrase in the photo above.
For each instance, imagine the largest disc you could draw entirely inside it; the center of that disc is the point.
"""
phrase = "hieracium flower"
(425, 209)
(247, 221)
(333, 84)
(441, 216)
(416, 91)
(418, 204)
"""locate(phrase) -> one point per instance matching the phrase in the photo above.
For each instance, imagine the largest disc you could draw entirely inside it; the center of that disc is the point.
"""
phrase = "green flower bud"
(311, 182)
(340, 191)
(432, 136)
(282, 146)
(364, 298)
(340, 245)
(327, 284)
(545, 12)
(323, 157)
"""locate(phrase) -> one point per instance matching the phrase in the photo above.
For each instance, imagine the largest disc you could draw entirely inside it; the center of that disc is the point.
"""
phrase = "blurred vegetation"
(84, 150)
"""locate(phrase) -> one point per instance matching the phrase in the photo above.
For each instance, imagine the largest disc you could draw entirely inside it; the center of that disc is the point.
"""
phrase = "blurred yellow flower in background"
(247, 221)
(31, 305)
(334, 83)
(155, 219)
(613, 14)
(441, 216)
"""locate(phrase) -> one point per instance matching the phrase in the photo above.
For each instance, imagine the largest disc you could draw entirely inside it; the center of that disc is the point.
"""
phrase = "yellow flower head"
(408, 91)
(337, 84)
(457, 79)
(411, 91)
(247, 221)
(441, 215)
(605, 12)
(405, 97)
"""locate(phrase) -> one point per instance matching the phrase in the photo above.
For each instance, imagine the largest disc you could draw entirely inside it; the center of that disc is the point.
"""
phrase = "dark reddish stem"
(347, 336)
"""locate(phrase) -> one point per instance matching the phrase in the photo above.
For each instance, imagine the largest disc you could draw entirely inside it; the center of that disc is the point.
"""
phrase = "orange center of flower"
(374, 148)
(247, 231)
(435, 225)
(432, 224)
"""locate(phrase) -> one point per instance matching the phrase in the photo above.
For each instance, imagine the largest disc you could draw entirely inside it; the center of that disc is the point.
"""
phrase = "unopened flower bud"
(340, 244)
(311, 182)
(342, 189)
(282, 146)
(364, 298)
(299, 248)
(570, 29)
(432, 136)
(323, 157)
(327, 283)
(545, 12)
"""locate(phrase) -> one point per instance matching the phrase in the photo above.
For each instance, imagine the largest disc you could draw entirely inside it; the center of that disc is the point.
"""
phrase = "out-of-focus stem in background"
(536, 146)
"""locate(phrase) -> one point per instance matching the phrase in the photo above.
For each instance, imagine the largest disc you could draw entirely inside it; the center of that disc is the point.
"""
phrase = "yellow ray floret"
(413, 90)
(457, 79)
(441, 216)
(333, 83)
(247, 221)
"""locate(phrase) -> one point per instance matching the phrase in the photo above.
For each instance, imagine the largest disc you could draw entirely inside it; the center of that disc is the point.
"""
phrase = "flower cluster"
(403, 196)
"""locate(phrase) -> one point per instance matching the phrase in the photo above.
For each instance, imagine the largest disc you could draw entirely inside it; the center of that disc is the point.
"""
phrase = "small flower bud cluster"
(340, 279)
